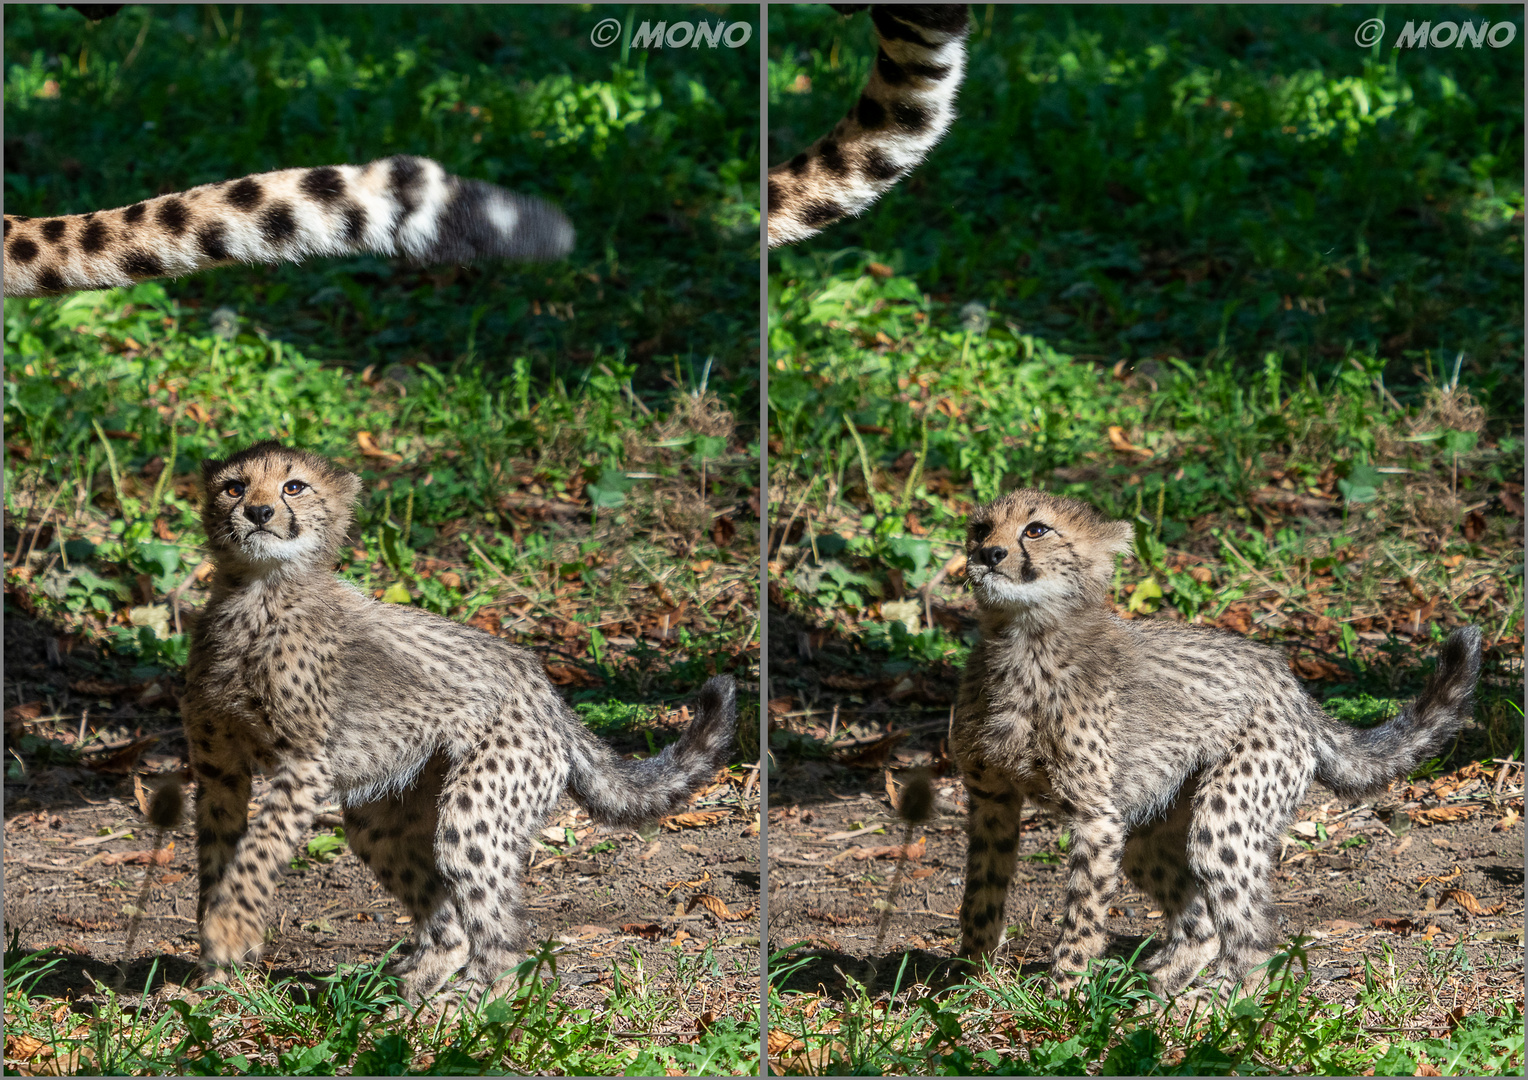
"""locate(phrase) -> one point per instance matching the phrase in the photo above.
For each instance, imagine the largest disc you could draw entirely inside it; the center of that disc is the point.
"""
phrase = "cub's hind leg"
(395, 836)
(992, 844)
(1242, 806)
(492, 804)
(1156, 860)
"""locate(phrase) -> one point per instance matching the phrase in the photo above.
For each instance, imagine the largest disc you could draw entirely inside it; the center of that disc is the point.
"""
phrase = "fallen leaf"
(696, 820)
(895, 851)
(17, 714)
(1118, 441)
(717, 907)
(368, 444)
(585, 930)
(1469, 903)
(125, 758)
(651, 931)
(25, 1046)
(1474, 526)
(1508, 820)
(564, 675)
(882, 271)
(1440, 813)
(1313, 668)
(1404, 927)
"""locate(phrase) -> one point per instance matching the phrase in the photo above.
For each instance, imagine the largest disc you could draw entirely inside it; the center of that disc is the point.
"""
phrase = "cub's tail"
(903, 112)
(620, 792)
(405, 206)
(1355, 763)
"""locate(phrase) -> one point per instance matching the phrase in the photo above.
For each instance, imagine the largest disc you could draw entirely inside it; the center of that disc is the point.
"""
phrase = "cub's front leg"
(1093, 877)
(233, 911)
(992, 844)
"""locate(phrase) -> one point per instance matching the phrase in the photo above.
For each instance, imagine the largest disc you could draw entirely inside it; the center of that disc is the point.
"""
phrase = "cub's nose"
(991, 556)
(259, 514)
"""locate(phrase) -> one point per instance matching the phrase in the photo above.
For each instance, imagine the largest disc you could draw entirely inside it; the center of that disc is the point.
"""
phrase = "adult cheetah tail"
(905, 109)
(619, 792)
(402, 206)
(1355, 763)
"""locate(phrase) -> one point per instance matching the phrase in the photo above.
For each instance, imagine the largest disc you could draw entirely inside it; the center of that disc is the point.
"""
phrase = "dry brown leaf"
(913, 852)
(716, 906)
(1440, 813)
(124, 759)
(780, 1041)
(698, 819)
(649, 930)
(368, 444)
(161, 857)
(1469, 902)
(17, 714)
(1439, 879)
(565, 675)
(1119, 442)
(1404, 927)
(674, 886)
(140, 795)
(1426, 1068)
(26, 1046)
(1313, 668)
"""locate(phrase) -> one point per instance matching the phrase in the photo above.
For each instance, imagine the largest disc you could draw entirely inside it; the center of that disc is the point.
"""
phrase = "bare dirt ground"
(1431, 868)
(76, 844)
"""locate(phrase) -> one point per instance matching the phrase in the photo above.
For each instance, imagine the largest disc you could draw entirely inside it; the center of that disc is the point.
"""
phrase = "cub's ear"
(210, 468)
(350, 487)
(1120, 536)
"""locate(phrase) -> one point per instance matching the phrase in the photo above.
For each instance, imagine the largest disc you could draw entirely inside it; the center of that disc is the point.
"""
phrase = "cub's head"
(1039, 554)
(269, 507)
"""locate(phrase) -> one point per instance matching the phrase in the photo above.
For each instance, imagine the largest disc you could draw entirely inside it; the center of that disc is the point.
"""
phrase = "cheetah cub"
(446, 747)
(1179, 753)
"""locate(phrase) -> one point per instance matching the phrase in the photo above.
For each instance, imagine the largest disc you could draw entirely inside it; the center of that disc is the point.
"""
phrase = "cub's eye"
(980, 532)
(294, 487)
(233, 489)
(1034, 530)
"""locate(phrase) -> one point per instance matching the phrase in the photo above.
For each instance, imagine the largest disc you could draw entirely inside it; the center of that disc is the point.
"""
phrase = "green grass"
(1217, 271)
(996, 1026)
(354, 1023)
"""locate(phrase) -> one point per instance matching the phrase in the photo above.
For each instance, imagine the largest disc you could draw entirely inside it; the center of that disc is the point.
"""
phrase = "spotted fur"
(905, 109)
(404, 206)
(447, 747)
(1178, 753)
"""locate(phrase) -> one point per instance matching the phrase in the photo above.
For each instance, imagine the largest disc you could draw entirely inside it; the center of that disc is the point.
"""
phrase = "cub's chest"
(257, 656)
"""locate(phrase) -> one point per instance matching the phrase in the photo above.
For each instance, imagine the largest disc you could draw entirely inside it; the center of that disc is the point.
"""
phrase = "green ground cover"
(1217, 270)
(564, 454)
